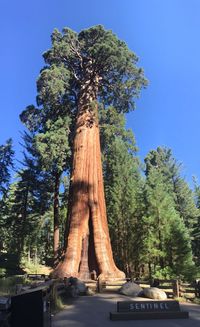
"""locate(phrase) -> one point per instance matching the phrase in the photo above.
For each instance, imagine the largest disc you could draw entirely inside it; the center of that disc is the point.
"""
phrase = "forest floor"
(93, 311)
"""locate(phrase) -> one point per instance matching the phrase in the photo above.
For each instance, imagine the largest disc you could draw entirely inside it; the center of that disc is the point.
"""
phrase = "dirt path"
(93, 311)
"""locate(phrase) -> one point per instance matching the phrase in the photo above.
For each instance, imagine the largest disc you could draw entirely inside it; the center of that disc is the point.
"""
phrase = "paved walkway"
(93, 311)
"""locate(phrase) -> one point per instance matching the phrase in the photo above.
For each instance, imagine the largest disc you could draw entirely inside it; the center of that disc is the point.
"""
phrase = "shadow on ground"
(93, 311)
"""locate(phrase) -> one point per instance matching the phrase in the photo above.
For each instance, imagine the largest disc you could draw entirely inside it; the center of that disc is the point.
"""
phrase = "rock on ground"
(130, 289)
(154, 293)
(76, 287)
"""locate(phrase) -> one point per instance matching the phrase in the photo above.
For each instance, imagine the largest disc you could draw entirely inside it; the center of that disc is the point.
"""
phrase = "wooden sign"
(148, 306)
(145, 310)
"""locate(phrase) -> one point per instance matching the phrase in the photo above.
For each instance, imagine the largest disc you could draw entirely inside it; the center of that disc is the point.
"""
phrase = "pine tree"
(196, 230)
(185, 204)
(180, 257)
(54, 150)
(51, 143)
(163, 160)
(165, 163)
(28, 202)
(120, 184)
(19, 202)
(6, 163)
(160, 212)
(167, 239)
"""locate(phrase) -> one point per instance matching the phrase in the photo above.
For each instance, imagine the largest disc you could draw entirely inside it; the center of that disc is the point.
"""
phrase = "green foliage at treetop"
(93, 53)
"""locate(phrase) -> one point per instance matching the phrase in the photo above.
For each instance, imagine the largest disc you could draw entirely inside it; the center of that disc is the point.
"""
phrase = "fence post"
(100, 285)
(176, 292)
(197, 288)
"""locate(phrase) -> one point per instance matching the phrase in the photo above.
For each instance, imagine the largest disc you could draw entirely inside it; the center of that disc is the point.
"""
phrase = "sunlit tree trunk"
(88, 243)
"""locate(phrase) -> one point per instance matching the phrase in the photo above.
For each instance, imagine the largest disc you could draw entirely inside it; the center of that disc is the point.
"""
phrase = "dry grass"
(8, 285)
(196, 300)
(31, 268)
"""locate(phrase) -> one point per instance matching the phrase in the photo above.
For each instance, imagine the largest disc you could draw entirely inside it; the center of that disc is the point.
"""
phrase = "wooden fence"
(174, 288)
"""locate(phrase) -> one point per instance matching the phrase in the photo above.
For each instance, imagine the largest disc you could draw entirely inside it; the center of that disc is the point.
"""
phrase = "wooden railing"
(189, 290)
(174, 288)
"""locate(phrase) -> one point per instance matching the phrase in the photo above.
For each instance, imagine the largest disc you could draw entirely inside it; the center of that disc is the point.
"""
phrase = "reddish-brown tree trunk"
(88, 243)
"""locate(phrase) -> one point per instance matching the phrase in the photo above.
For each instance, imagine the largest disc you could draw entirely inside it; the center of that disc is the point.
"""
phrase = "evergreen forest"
(153, 214)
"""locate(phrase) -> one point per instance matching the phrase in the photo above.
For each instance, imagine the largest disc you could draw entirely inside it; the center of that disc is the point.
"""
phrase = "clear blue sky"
(165, 34)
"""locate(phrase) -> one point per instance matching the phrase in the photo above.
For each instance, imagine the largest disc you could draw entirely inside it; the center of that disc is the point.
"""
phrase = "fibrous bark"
(88, 243)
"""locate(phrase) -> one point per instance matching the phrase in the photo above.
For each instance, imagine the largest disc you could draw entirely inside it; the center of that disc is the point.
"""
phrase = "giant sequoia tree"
(82, 70)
